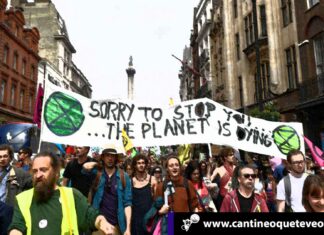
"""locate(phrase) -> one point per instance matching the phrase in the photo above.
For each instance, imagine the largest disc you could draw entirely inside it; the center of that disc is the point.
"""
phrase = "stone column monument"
(130, 74)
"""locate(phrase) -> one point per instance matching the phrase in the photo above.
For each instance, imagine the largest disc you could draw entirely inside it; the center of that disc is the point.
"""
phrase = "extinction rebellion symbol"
(286, 139)
(63, 114)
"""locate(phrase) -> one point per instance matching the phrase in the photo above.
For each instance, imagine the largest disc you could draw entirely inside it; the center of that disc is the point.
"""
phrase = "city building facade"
(281, 60)
(235, 58)
(18, 65)
(55, 47)
(201, 48)
(310, 27)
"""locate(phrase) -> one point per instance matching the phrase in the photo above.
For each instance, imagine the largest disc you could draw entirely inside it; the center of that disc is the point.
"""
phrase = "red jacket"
(231, 203)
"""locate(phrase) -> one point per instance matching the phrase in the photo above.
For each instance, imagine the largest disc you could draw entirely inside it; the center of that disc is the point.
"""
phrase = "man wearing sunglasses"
(24, 158)
(244, 199)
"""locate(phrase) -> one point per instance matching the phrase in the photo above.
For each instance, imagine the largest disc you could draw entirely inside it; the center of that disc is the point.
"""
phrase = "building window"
(319, 55)
(286, 12)
(237, 42)
(5, 54)
(66, 66)
(15, 61)
(21, 99)
(241, 91)
(30, 103)
(23, 67)
(13, 95)
(65, 85)
(311, 3)
(2, 91)
(265, 81)
(291, 67)
(249, 32)
(235, 8)
(32, 72)
(263, 21)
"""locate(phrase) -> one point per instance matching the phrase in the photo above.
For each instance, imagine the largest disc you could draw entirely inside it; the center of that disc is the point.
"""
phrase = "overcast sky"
(105, 33)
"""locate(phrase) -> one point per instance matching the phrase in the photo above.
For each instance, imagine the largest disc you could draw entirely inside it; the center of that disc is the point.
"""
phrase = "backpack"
(287, 184)
(95, 184)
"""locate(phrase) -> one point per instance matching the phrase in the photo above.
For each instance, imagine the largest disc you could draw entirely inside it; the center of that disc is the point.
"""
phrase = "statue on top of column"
(130, 64)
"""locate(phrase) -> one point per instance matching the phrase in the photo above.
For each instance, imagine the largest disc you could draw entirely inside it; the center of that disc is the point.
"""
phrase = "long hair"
(313, 186)
(191, 167)
(136, 159)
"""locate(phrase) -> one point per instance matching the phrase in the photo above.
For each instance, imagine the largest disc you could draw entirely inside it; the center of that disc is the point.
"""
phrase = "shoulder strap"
(122, 177)
(150, 180)
(287, 184)
(69, 220)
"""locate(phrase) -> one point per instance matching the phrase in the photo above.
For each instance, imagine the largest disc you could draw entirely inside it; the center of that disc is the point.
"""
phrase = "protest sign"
(73, 119)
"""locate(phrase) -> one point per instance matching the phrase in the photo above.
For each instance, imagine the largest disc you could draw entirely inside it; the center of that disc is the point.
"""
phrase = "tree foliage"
(269, 113)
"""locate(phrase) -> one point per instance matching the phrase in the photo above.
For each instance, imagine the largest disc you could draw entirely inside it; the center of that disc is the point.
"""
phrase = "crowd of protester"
(114, 194)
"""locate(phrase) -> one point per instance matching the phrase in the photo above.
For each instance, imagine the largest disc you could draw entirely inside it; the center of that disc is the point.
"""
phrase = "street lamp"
(257, 55)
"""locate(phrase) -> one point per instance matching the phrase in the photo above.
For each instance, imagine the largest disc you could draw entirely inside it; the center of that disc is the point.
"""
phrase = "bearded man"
(50, 209)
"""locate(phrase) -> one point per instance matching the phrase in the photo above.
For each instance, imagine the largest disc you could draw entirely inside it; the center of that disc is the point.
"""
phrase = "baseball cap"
(109, 151)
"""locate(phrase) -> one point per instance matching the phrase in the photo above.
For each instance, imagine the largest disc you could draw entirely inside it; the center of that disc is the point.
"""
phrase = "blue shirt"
(3, 184)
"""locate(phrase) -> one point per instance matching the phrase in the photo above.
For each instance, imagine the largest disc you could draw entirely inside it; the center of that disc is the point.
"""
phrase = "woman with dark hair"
(193, 173)
(203, 168)
(224, 173)
(127, 167)
(143, 187)
(313, 193)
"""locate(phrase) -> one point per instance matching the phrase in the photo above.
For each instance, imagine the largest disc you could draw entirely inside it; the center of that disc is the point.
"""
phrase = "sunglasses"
(247, 176)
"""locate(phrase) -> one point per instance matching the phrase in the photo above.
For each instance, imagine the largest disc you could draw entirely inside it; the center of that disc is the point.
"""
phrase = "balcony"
(312, 88)
(250, 49)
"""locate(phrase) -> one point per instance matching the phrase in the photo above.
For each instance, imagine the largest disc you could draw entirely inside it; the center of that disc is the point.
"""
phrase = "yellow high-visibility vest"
(69, 220)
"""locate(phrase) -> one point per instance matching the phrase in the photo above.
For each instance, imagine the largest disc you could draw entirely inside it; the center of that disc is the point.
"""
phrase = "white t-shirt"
(296, 192)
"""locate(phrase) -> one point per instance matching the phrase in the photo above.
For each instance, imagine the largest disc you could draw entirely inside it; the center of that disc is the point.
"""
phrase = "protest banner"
(72, 119)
